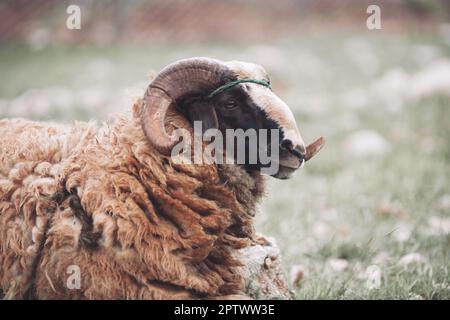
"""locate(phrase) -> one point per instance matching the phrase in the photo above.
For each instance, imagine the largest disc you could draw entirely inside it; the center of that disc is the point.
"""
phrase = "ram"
(110, 206)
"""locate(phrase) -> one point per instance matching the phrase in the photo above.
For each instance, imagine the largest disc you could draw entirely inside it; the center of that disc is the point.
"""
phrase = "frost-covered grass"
(377, 195)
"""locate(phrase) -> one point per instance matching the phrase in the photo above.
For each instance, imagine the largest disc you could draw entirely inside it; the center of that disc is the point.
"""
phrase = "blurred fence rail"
(107, 21)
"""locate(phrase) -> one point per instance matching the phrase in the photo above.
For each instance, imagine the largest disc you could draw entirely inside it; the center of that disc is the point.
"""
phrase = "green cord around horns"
(236, 82)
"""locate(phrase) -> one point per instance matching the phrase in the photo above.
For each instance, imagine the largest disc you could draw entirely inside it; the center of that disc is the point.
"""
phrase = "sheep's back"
(30, 160)
(29, 141)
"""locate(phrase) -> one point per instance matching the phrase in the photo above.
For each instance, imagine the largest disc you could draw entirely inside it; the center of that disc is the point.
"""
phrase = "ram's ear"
(198, 110)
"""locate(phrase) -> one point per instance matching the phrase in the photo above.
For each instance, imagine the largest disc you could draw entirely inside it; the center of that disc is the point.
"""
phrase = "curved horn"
(177, 79)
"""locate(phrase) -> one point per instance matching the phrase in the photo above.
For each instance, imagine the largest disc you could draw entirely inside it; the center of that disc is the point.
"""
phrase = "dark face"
(235, 109)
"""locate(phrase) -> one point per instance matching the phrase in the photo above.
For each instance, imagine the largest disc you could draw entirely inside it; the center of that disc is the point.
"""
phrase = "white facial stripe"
(277, 110)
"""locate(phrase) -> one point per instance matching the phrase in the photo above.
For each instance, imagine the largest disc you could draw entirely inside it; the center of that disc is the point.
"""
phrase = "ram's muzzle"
(293, 153)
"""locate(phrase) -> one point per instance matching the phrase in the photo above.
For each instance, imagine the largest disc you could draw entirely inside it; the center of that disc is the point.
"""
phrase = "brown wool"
(137, 225)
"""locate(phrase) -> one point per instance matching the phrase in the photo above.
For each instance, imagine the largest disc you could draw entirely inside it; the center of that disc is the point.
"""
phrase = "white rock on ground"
(433, 79)
(402, 233)
(382, 258)
(410, 258)
(444, 202)
(395, 88)
(263, 271)
(338, 265)
(439, 226)
(366, 143)
(390, 89)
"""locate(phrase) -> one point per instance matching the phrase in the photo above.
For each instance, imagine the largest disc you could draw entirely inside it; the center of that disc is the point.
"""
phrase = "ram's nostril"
(286, 144)
(298, 150)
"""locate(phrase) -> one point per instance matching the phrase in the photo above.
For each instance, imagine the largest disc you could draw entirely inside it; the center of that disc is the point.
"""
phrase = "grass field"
(375, 201)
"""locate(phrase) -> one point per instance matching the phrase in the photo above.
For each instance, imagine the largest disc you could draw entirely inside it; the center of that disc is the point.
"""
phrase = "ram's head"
(224, 95)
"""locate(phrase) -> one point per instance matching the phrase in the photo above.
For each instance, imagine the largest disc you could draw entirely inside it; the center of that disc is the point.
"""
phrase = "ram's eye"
(230, 104)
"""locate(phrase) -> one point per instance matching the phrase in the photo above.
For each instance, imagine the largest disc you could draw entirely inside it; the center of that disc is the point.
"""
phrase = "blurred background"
(369, 217)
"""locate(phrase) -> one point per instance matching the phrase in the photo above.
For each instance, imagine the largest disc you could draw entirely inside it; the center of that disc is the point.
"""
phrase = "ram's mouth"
(289, 163)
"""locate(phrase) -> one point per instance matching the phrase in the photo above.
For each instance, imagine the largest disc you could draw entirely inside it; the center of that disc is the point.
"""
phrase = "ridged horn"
(194, 75)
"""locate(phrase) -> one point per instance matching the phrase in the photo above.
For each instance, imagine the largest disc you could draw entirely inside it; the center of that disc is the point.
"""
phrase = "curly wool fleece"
(135, 224)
